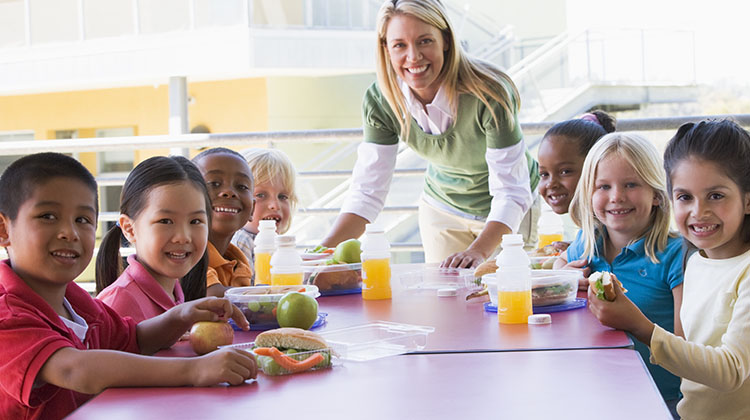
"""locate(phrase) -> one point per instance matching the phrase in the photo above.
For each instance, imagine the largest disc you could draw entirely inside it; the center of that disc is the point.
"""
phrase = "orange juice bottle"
(550, 228)
(286, 264)
(265, 245)
(376, 264)
(513, 282)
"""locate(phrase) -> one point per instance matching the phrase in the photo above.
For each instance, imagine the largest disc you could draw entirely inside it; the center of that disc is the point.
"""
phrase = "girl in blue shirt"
(623, 208)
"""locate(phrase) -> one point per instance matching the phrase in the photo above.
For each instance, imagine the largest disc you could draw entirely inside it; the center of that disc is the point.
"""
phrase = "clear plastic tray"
(333, 279)
(375, 340)
(258, 303)
(439, 278)
(276, 370)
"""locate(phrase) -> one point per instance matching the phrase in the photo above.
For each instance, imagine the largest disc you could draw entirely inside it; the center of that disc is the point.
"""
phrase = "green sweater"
(457, 173)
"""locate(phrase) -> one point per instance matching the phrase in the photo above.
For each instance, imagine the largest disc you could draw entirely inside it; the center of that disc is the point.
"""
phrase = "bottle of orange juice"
(513, 282)
(265, 245)
(376, 264)
(286, 263)
(550, 228)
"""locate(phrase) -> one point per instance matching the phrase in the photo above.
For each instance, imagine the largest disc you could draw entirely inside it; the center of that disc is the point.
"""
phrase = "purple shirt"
(138, 295)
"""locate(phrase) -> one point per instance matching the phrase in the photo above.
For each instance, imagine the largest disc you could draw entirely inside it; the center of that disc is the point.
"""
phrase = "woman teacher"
(458, 113)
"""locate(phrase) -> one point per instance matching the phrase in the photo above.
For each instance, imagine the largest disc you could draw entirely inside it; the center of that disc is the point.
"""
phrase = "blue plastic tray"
(578, 303)
(271, 325)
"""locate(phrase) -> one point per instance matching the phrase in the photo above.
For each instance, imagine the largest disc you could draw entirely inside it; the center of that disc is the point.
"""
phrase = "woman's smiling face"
(417, 51)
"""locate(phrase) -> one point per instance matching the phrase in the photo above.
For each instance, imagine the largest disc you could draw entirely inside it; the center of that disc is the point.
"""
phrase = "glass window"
(118, 161)
(338, 13)
(54, 21)
(279, 12)
(12, 23)
(105, 18)
(163, 16)
(218, 13)
(13, 136)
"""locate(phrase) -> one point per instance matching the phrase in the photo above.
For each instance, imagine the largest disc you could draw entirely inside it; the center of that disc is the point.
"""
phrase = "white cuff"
(509, 184)
(371, 179)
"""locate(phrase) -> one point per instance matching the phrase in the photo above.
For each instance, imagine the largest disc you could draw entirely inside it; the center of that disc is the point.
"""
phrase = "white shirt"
(78, 325)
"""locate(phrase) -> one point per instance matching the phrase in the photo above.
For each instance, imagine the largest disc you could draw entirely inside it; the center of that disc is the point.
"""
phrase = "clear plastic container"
(274, 369)
(265, 245)
(548, 287)
(258, 303)
(375, 340)
(333, 279)
(542, 263)
(376, 264)
(286, 263)
(433, 277)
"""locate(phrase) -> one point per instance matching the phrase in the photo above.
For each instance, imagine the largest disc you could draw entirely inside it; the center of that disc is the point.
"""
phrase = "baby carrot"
(287, 362)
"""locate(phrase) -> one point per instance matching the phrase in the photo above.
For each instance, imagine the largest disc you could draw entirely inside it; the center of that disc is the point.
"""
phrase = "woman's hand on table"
(228, 365)
(621, 314)
(465, 259)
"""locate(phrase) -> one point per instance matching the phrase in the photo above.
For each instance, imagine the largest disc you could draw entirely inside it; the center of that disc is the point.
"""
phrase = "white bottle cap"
(374, 228)
(540, 319)
(512, 239)
(267, 224)
(287, 240)
(447, 292)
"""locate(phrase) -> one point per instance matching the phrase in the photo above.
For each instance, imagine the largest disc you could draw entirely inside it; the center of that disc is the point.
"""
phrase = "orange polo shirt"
(231, 269)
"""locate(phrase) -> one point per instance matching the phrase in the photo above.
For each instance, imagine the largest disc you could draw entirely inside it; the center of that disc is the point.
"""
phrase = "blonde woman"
(458, 113)
(623, 208)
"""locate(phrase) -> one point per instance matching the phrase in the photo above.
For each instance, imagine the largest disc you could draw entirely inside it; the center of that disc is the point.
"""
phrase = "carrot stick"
(287, 362)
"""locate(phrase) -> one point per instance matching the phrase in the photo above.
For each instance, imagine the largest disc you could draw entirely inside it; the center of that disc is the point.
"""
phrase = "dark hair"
(149, 174)
(20, 179)
(722, 142)
(584, 131)
(216, 151)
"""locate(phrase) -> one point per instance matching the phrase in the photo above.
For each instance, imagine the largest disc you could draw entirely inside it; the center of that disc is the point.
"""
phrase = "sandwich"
(602, 282)
(290, 350)
(487, 267)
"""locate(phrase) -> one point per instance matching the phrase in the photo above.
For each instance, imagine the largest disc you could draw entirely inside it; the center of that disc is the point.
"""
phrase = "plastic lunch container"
(542, 263)
(274, 369)
(258, 302)
(334, 279)
(438, 278)
(548, 287)
(377, 339)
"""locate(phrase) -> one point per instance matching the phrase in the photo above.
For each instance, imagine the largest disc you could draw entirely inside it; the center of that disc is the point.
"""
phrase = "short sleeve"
(379, 123)
(674, 257)
(212, 277)
(507, 132)
(124, 303)
(575, 249)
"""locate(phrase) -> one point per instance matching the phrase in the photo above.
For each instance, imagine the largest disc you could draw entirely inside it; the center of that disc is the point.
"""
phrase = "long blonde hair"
(645, 160)
(460, 73)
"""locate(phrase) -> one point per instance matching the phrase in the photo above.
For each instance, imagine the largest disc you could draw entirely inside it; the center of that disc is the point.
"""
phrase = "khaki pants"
(444, 233)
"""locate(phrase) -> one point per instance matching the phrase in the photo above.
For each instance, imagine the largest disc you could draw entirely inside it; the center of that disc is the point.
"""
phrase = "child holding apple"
(275, 197)
(230, 189)
(58, 342)
(164, 214)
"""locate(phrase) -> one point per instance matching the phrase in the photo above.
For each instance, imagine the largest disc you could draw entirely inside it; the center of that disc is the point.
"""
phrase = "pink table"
(510, 385)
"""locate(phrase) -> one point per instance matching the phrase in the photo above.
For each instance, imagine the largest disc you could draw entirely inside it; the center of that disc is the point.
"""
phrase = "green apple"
(297, 310)
(207, 336)
(348, 252)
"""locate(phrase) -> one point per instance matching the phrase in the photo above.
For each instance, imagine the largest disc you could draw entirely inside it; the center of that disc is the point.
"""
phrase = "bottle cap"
(374, 228)
(512, 239)
(447, 291)
(288, 240)
(540, 319)
(267, 224)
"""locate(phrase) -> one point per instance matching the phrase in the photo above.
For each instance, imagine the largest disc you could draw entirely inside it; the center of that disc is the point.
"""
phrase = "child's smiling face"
(272, 203)
(230, 186)
(560, 166)
(709, 208)
(51, 241)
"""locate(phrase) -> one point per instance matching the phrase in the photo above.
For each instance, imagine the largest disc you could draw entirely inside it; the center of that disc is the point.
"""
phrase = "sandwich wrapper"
(365, 342)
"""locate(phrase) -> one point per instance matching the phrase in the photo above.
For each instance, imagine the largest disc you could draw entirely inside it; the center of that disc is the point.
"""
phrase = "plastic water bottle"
(286, 263)
(550, 228)
(513, 282)
(376, 264)
(265, 245)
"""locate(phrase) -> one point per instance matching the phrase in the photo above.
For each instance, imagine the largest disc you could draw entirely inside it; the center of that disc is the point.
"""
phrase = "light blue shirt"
(649, 286)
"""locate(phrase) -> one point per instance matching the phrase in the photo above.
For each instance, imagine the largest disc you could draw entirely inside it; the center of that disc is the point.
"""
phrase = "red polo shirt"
(31, 331)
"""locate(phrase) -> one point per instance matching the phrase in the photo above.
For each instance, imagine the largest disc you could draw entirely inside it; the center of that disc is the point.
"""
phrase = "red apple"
(207, 336)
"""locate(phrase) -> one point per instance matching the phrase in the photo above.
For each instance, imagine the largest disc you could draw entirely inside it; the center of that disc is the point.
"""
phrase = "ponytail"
(108, 260)
(194, 282)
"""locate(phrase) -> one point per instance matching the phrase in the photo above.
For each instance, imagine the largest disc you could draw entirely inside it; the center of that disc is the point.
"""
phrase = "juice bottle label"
(376, 279)
(279, 279)
(263, 268)
(513, 307)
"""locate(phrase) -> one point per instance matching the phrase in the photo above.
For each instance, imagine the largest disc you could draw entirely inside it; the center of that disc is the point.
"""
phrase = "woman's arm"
(92, 371)
(482, 247)
(346, 226)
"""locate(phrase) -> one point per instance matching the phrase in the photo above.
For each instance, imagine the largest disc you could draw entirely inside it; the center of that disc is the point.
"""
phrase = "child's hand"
(621, 314)
(582, 266)
(212, 309)
(224, 365)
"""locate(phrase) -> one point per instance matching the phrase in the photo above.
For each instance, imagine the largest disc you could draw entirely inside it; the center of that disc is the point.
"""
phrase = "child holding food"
(561, 154)
(164, 214)
(275, 197)
(709, 182)
(58, 342)
(622, 207)
(230, 188)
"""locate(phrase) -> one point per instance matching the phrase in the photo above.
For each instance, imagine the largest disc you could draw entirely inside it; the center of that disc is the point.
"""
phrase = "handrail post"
(178, 112)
